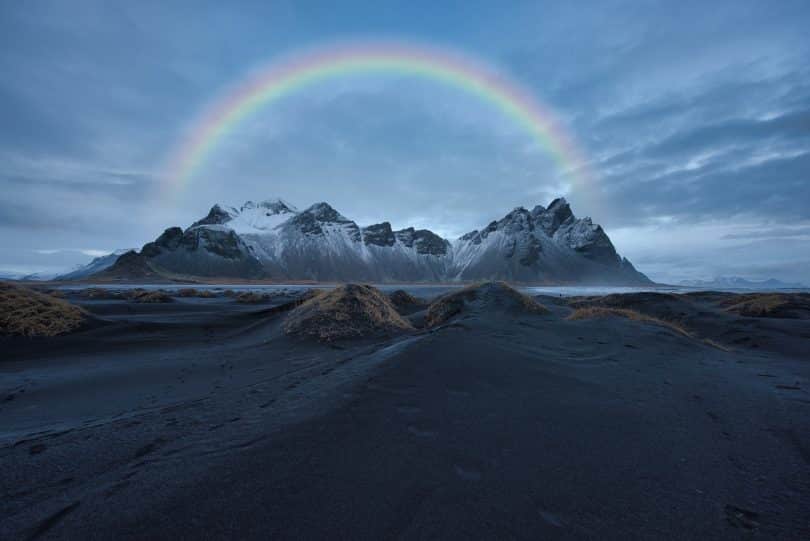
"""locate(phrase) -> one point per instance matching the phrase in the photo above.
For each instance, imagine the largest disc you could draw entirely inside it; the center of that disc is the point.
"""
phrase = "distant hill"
(98, 264)
(735, 282)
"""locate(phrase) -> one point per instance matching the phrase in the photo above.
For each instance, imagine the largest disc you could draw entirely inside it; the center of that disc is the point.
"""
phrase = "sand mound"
(405, 303)
(149, 296)
(487, 296)
(251, 297)
(192, 292)
(345, 312)
(101, 293)
(591, 312)
(663, 306)
(25, 312)
(778, 305)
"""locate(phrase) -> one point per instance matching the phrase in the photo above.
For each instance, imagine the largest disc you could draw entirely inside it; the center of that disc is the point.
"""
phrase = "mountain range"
(736, 282)
(272, 239)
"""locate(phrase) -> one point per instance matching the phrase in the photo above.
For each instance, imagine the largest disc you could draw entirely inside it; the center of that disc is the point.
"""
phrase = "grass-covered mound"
(486, 296)
(25, 312)
(102, 293)
(663, 306)
(251, 297)
(348, 311)
(678, 313)
(405, 303)
(151, 296)
(779, 305)
(591, 312)
(187, 292)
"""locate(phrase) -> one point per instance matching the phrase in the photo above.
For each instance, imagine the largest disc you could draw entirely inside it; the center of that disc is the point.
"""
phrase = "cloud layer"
(696, 121)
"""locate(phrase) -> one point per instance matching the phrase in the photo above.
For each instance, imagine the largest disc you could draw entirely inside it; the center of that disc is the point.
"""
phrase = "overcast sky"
(695, 120)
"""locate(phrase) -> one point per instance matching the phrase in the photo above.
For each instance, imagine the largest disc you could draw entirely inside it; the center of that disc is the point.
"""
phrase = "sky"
(694, 123)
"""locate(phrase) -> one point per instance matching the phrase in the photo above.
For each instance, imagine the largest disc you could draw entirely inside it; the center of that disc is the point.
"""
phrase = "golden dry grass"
(101, 293)
(149, 296)
(347, 311)
(251, 297)
(490, 295)
(192, 292)
(590, 312)
(25, 312)
(403, 299)
(768, 305)
(716, 344)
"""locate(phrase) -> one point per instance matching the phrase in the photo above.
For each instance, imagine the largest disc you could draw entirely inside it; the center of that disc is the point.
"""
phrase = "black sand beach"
(200, 418)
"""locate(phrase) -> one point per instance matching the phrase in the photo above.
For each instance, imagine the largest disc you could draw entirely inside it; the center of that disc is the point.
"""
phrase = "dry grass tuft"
(778, 305)
(192, 292)
(251, 297)
(403, 299)
(590, 312)
(348, 311)
(25, 312)
(716, 344)
(486, 296)
(149, 296)
(101, 293)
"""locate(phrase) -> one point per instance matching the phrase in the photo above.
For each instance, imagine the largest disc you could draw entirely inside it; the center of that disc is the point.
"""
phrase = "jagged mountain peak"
(324, 212)
(218, 215)
(558, 213)
(276, 205)
(273, 239)
(379, 234)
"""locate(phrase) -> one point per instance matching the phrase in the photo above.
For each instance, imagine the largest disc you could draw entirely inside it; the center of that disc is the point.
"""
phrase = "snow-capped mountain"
(272, 239)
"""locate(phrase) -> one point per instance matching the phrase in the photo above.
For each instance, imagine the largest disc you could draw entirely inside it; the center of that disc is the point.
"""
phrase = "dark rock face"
(379, 234)
(312, 220)
(558, 213)
(308, 224)
(130, 265)
(170, 239)
(425, 241)
(225, 244)
(472, 236)
(517, 221)
(216, 216)
(198, 251)
(531, 253)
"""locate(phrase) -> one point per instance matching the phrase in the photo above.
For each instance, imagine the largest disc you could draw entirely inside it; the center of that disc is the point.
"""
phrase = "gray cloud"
(691, 116)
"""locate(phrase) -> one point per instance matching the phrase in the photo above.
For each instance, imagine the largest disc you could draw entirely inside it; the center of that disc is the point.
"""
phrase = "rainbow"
(282, 78)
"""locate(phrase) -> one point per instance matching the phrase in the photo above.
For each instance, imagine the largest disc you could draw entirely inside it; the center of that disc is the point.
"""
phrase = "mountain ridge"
(274, 240)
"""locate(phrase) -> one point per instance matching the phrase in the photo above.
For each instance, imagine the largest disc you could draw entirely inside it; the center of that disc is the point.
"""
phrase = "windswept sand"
(202, 418)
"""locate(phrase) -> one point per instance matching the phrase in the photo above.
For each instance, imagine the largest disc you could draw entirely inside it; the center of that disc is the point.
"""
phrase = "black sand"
(199, 418)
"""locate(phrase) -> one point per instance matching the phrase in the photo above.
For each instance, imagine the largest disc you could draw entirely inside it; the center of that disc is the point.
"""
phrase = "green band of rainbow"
(283, 78)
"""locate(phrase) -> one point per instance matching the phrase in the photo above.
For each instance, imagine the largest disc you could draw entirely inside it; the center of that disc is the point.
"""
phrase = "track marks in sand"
(37, 448)
(150, 447)
(51, 521)
(741, 518)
